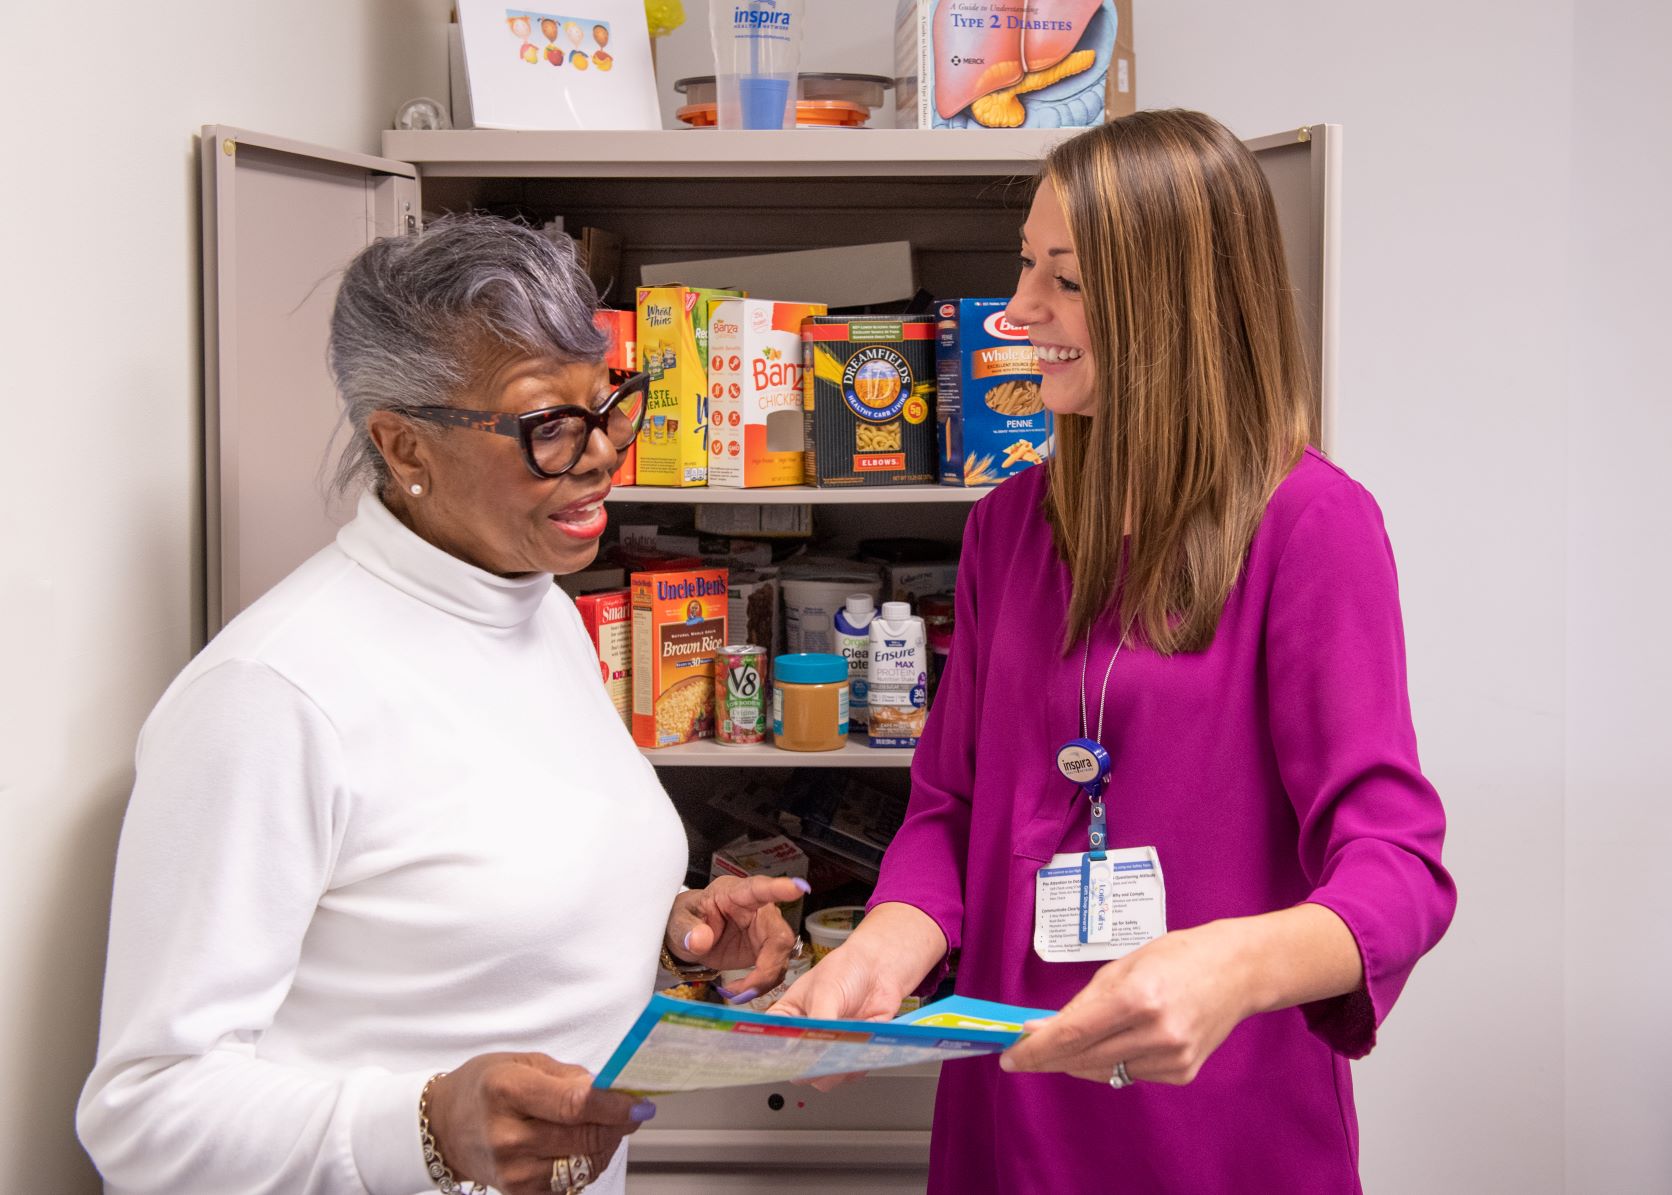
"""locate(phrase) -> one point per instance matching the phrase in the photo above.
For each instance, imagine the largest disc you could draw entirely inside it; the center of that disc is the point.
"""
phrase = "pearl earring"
(417, 489)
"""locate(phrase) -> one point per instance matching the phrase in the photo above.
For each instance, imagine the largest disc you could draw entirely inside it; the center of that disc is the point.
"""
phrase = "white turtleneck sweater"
(386, 821)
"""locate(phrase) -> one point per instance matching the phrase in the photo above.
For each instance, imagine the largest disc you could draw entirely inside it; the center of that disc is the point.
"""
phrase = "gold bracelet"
(687, 972)
(439, 1173)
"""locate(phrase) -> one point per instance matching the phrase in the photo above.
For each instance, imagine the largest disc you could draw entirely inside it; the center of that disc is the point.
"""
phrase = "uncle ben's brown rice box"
(679, 622)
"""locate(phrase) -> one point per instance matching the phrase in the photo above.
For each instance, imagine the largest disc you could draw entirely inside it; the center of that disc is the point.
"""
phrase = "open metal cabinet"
(280, 221)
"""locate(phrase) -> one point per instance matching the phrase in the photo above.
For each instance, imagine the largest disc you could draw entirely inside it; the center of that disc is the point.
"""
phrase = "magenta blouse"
(1276, 767)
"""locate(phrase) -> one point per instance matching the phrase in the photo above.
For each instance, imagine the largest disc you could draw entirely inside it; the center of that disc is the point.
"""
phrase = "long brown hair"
(1199, 366)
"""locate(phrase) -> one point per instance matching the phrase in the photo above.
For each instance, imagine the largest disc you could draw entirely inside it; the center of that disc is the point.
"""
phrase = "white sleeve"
(229, 841)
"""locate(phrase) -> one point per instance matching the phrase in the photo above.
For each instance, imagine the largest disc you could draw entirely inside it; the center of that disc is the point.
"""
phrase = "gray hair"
(414, 314)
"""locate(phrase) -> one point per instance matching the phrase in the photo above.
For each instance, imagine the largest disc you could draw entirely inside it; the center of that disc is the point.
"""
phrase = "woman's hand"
(502, 1119)
(865, 978)
(1166, 1007)
(735, 922)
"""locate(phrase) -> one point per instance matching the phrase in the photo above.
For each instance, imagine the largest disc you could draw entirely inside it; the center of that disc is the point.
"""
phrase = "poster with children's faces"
(586, 67)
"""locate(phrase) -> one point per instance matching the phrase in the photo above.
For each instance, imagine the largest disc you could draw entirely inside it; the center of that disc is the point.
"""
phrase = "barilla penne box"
(621, 359)
(608, 619)
(869, 391)
(992, 422)
(672, 325)
(756, 433)
(1013, 64)
(679, 622)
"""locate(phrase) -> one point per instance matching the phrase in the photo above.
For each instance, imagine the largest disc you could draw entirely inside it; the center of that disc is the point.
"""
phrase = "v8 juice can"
(740, 695)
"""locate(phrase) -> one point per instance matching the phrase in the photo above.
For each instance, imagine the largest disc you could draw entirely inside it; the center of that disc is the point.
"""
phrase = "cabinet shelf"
(800, 495)
(706, 753)
(693, 153)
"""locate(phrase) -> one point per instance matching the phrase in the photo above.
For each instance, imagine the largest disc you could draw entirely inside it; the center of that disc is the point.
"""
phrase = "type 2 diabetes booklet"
(681, 1045)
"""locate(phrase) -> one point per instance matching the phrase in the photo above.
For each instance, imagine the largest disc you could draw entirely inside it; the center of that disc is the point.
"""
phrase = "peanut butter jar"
(810, 702)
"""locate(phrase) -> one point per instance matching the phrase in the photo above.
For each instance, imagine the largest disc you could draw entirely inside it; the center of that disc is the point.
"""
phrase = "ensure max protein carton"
(992, 422)
(1013, 64)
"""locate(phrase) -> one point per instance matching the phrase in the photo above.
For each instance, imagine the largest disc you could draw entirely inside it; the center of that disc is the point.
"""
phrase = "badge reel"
(1099, 904)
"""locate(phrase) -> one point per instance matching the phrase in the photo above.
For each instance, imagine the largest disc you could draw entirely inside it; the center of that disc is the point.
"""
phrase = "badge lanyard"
(1086, 762)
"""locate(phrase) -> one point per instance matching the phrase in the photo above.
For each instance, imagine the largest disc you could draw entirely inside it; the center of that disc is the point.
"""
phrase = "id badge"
(1094, 910)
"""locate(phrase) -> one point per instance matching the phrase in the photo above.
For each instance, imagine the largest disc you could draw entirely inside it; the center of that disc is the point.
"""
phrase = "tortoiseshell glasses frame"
(554, 439)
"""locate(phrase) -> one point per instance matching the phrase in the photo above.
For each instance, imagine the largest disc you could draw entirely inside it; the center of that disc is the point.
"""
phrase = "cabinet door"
(1303, 169)
(280, 220)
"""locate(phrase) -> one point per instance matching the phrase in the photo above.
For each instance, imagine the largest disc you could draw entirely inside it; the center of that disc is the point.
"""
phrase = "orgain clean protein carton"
(992, 422)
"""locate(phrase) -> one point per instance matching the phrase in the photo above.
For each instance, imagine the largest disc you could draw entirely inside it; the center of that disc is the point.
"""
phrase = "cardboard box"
(679, 622)
(870, 400)
(1011, 64)
(597, 579)
(765, 522)
(911, 582)
(609, 624)
(756, 425)
(622, 360)
(847, 276)
(773, 855)
(754, 610)
(992, 422)
(673, 348)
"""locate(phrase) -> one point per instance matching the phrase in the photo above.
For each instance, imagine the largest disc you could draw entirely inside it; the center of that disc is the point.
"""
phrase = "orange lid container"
(819, 114)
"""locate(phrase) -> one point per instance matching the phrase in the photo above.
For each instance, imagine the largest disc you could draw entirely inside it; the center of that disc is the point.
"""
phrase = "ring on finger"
(572, 1173)
(1120, 1078)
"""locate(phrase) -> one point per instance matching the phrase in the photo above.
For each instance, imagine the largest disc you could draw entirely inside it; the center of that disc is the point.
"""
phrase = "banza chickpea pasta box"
(992, 422)
(870, 400)
(756, 432)
(679, 622)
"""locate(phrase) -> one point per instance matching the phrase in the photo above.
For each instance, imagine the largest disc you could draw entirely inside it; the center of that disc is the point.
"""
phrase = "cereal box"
(992, 422)
(1009, 64)
(621, 359)
(869, 390)
(608, 619)
(756, 431)
(679, 622)
(672, 328)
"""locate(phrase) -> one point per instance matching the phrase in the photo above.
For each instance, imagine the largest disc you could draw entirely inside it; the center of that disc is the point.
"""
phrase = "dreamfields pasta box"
(1001, 64)
(869, 386)
(992, 423)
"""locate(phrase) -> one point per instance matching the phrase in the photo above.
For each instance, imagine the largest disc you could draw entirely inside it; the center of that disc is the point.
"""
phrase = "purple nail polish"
(685, 942)
(743, 996)
(806, 888)
(642, 1111)
(723, 990)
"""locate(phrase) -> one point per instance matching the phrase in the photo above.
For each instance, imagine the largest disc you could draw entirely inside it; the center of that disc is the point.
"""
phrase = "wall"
(1495, 395)
(1619, 653)
(99, 459)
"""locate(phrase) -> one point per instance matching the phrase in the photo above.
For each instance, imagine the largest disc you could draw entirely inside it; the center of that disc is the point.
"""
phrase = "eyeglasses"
(554, 439)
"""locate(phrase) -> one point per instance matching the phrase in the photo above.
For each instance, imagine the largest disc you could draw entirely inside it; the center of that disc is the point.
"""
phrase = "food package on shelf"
(756, 521)
(621, 358)
(870, 400)
(672, 325)
(756, 426)
(609, 625)
(1005, 64)
(915, 581)
(993, 424)
(679, 622)
(753, 604)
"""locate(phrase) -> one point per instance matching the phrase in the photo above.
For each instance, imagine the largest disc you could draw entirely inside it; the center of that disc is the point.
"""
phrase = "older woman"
(1170, 786)
(393, 876)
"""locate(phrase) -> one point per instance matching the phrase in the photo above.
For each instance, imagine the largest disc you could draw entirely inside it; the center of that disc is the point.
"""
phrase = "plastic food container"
(829, 928)
(809, 114)
(863, 92)
(810, 702)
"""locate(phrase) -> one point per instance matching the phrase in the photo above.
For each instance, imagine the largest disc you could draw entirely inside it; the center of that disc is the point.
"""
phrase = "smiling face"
(1049, 303)
(479, 500)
